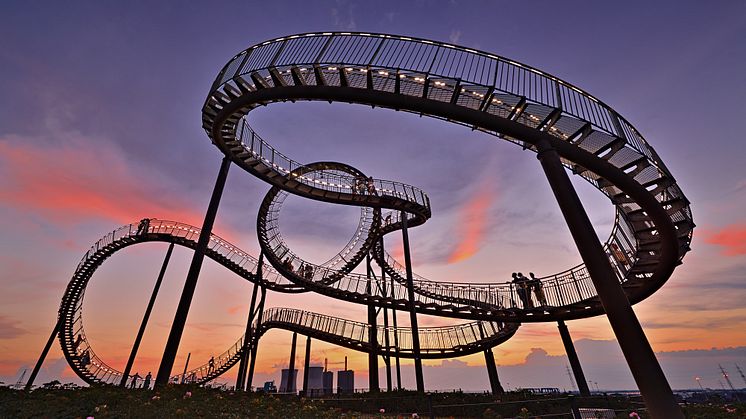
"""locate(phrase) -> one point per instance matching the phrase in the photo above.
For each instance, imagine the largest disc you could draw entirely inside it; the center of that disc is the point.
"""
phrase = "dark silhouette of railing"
(91, 368)
(477, 81)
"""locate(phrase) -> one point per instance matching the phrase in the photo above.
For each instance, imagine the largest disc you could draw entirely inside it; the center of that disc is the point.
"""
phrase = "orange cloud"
(731, 238)
(237, 309)
(75, 182)
(472, 222)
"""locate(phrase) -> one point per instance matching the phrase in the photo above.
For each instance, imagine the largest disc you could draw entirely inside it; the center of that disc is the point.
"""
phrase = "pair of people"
(306, 271)
(287, 264)
(143, 227)
(524, 287)
(363, 185)
(136, 378)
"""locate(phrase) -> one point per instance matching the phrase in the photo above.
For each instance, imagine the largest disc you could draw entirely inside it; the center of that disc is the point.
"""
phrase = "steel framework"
(565, 125)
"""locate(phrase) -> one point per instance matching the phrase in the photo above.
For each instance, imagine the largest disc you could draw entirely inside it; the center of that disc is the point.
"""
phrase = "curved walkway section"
(440, 342)
(483, 91)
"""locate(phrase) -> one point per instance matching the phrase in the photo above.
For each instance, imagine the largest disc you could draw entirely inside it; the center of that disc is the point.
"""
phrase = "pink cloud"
(473, 223)
(75, 182)
(731, 239)
(237, 308)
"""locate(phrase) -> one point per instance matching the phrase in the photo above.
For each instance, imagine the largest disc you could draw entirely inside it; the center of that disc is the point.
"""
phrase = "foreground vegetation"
(192, 401)
(176, 401)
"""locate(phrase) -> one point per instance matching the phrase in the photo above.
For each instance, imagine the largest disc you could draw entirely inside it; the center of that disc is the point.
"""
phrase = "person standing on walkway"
(538, 289)
(135, 378)
(142, 228)
(520, 289)
(528, 303)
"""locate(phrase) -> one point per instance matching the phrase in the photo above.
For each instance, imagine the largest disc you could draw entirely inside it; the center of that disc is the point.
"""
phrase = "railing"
(341, 261)
(216, 366)
(230, 252)
(432, 339)
(327, 180)
(561, 289)
(71, 307)
(479, 74)
(470, 78)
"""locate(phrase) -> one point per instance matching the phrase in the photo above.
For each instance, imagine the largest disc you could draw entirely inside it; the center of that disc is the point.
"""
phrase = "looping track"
(439, 342)
(492, 94)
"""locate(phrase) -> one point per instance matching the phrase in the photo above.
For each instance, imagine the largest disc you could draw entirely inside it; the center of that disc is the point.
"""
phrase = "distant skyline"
(100, 126)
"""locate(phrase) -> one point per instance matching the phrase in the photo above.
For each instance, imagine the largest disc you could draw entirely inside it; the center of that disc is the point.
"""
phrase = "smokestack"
(345, 362)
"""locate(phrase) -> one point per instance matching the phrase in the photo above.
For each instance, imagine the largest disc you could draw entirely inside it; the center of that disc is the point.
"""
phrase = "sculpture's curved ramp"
(94, 370)
(483, 91)
(435, 342)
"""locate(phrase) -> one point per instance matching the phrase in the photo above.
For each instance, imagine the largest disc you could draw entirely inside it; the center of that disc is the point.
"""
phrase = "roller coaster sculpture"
(567, 127)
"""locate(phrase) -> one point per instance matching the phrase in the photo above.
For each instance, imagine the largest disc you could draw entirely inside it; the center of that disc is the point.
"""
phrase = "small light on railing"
(331, 68)
(349, 69)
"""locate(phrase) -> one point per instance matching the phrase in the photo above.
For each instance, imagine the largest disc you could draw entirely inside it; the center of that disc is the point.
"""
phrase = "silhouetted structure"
(565, 126)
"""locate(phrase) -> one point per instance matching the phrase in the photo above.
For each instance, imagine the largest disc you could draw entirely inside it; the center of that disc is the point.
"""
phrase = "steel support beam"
(146, 317)
(186, 365)
(243, 364)
(412, 311)
(182, 311)
(306, 365)
(252, 363)
(373, 383)
(386, 339)
(396, 335)
(43, 355)
(291, 368)
(645, 368)
(489, 360)
(572, 356)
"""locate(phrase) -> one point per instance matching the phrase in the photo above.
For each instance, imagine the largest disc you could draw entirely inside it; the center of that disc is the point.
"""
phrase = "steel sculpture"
(568, 129)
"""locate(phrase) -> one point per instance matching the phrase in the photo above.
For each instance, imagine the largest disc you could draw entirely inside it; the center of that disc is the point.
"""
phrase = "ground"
(186, 401)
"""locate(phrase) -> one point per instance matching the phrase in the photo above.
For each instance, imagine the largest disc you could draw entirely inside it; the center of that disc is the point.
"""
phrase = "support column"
(386, 339)
(645, 368)
(43, 355)
(412, 311)
(393, 320)
(186, 365)
(252, 363)
(243, 365)
(396, 342)
(182, 311)
(306, 365)
(291, 368)
(373, 384)
(146, 317)
(489, 360)
(572, 356)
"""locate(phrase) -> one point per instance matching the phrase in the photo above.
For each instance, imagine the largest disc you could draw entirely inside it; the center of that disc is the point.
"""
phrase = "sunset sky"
(100, 126)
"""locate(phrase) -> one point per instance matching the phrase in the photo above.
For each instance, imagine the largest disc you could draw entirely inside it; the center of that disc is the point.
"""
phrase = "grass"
(176, 401)
(192, 401)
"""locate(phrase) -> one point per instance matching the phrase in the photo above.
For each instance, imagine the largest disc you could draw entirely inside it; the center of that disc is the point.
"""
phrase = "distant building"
(346, 382)
(269, 387)
(315, 383)
(328, 382)
(288, 384)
